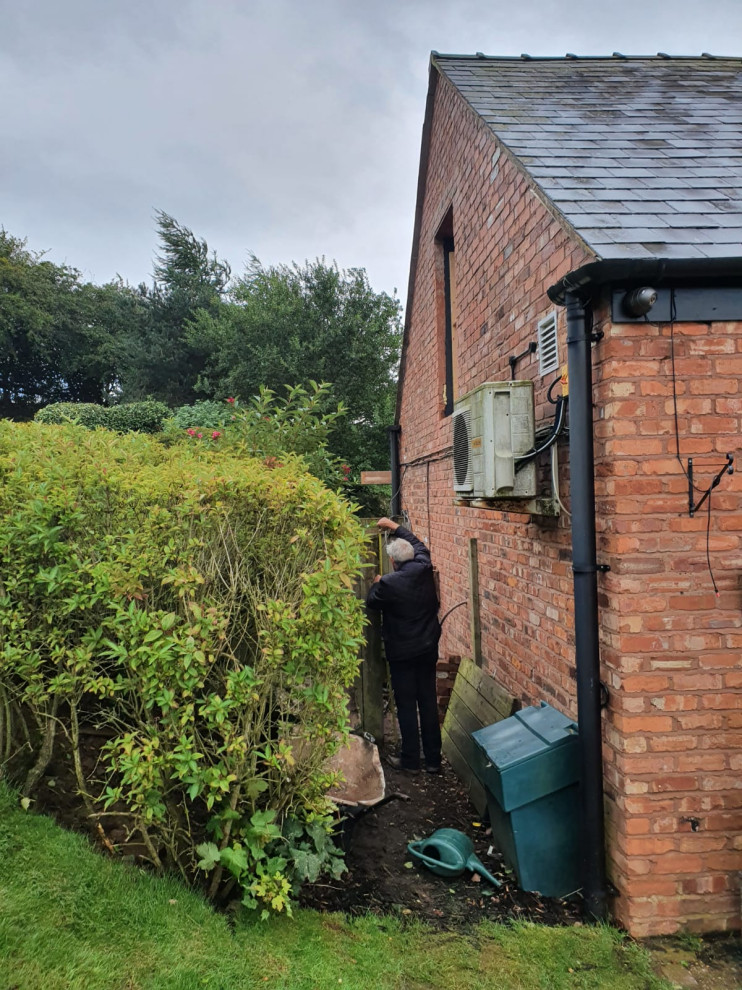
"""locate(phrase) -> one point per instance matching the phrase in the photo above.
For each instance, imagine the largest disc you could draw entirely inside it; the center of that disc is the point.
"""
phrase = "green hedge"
(144, 417)
(204, 415)
(197, 606)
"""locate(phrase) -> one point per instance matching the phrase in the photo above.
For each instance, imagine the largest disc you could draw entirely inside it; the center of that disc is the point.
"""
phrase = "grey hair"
(400, 551)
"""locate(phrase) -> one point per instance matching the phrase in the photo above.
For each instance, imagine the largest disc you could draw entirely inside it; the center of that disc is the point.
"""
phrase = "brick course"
(670, 647)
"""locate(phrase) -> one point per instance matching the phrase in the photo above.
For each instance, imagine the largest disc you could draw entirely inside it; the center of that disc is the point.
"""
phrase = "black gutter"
(395, 507)
(584, 282)
(481, 57)
(585, 567)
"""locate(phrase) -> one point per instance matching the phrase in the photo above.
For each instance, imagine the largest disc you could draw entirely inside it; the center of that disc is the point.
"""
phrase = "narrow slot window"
(451, 350)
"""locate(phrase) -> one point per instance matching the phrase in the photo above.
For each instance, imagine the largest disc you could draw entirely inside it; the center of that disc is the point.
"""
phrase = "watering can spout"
(448, 853)
(476, 866)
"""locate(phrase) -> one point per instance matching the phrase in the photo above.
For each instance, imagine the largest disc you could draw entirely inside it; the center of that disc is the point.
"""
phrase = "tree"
(58, 342)
(195, 334)
(287, 324)
(161, 362)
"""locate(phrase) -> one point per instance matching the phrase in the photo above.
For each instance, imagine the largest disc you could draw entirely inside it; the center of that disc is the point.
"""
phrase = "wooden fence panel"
(477, 700)
(372, 674)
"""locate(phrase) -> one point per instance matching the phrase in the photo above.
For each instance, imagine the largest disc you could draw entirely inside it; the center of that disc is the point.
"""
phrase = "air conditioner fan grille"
(461, 447)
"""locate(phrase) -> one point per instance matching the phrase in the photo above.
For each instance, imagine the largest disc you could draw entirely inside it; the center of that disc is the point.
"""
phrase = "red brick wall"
(508, 248)
(448, 668)
(669, 648)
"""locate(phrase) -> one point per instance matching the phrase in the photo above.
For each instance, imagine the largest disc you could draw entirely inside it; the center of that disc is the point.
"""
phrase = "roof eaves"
(586, 280)
(481, 57)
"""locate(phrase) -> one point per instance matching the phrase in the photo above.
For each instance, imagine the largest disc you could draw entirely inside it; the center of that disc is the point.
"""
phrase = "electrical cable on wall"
(436, 455)
(560, 419)
(555, 482)
(453, 609)
(674, 383)
(557, 381)
(427, 500)
(708, 553)
(427, 460)
(399, 489)
(726, 469)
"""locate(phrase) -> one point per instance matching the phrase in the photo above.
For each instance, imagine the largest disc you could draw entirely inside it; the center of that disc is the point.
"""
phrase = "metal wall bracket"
(539, 506)
(693, 507)
(695, 823)
(515, 358)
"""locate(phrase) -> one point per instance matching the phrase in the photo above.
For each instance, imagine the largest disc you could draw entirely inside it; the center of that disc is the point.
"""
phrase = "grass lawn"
(72, 920)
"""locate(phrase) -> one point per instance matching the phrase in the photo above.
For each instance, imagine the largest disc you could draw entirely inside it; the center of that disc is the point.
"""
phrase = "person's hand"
(385, 523)
(377, 578)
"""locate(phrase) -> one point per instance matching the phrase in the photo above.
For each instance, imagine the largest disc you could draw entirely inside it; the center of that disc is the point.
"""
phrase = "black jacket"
(408, 603)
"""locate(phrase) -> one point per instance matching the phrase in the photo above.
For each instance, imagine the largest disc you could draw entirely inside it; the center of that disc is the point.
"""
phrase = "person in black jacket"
(408, 602)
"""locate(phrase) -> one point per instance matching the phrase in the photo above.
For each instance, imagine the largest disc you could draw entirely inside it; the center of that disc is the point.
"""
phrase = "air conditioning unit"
(492, 427)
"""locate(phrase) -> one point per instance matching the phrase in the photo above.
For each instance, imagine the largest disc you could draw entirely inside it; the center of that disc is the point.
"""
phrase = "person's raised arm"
(387, 524)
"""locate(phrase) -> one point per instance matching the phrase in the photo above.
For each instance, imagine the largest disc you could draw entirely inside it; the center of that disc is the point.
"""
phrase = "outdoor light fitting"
(638, 302)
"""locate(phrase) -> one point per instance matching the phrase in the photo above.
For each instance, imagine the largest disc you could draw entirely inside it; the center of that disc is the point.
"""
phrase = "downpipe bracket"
(594, 337)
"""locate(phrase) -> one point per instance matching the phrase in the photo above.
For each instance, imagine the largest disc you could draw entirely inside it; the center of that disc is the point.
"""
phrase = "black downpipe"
(584, 566)
(395, 506)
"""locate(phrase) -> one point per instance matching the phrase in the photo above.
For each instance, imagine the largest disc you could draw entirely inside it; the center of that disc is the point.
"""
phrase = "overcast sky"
(286, 128)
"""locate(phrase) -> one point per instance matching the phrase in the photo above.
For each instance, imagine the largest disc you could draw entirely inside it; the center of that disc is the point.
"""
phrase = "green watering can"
(448, 853)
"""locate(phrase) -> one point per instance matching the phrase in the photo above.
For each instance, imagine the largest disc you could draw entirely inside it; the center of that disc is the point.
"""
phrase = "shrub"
(268, 425)
(199, 607)
(204, 415)
(144, 417)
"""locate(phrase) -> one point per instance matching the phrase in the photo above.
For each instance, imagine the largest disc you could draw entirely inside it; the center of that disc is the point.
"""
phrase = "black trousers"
(414, 686)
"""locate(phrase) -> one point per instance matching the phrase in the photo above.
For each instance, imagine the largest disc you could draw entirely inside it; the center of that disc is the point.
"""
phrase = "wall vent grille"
(548, 355)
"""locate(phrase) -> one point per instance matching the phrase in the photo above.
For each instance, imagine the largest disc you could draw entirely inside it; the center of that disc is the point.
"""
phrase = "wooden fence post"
(372, 673)
(476, 629)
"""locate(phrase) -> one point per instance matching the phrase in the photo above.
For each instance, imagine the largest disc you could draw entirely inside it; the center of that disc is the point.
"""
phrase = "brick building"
(546, 182)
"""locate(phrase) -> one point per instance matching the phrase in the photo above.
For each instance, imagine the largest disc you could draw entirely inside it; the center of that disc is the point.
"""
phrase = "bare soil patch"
(382, 877)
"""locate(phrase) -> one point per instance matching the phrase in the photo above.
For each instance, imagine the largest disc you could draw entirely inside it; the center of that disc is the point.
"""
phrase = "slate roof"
(642, 156)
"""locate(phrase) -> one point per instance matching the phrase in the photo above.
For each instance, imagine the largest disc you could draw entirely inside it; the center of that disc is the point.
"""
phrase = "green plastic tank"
(530, 767)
